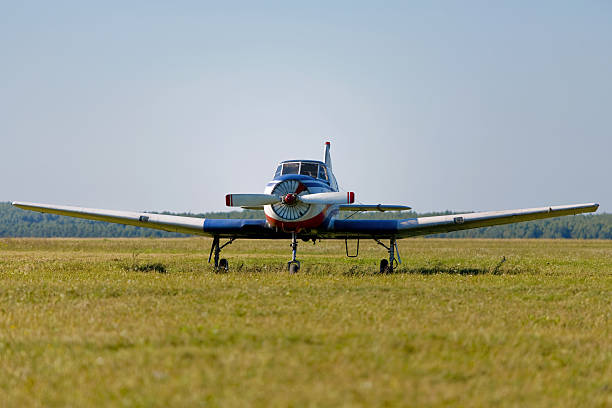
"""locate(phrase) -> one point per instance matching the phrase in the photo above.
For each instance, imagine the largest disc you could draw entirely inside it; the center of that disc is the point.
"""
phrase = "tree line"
(15, 222)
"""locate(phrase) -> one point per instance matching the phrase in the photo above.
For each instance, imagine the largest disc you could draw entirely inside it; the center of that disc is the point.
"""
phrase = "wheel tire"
(223, 265)
(384, 266)
(294, 268)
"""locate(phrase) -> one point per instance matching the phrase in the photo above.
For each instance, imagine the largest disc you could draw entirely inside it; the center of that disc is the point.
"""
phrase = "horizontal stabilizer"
(376, 207)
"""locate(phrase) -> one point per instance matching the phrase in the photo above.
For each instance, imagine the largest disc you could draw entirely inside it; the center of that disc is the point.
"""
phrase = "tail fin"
(328, 162)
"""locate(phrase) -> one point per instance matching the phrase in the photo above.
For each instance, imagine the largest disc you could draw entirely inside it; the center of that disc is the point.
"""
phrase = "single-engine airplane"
(302, 202)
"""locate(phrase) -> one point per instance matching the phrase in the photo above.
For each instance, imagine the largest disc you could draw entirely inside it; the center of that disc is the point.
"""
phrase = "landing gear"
(220, 264)
(388, 266)
(294, 264)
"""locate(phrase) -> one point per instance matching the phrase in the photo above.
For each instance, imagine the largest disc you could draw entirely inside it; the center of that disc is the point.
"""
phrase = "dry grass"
(90, 322)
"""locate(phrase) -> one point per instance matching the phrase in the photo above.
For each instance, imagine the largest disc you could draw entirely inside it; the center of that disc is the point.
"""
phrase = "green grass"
(98, 322)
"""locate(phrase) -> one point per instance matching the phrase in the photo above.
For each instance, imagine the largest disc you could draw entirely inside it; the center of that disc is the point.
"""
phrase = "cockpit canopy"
(306, 168)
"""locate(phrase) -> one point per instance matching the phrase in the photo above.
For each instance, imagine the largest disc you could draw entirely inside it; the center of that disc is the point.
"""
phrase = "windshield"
(314, 170)
(291, 168)
(309, 169)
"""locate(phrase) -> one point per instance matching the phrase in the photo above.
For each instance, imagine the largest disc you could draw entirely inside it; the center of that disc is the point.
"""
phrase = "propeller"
(289, 194)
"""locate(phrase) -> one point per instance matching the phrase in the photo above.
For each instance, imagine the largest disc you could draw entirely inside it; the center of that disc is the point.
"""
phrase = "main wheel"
(223, 264)
(294, 268)
(384, 266)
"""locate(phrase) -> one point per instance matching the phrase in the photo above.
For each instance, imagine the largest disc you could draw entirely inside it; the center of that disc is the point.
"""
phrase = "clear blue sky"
(438, 105)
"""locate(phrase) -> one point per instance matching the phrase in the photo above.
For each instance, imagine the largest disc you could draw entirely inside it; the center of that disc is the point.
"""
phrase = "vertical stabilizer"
(328, 162)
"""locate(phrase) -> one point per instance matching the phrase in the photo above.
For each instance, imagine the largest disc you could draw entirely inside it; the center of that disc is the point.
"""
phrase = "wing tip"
(592, 206)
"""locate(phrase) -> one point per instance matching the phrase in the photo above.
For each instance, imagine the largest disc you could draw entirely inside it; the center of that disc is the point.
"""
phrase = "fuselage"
(295, 178)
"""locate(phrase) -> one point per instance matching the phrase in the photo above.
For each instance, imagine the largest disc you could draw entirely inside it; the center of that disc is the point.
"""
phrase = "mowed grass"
(85, 322)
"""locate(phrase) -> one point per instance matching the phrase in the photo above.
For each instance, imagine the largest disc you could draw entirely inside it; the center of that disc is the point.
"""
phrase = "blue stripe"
(307, 181)
(299, 177)
(307, 184)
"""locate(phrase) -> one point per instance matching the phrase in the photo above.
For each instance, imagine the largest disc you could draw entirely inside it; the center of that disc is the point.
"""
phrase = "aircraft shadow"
(425, 271)
(440, 270)
(436, 270)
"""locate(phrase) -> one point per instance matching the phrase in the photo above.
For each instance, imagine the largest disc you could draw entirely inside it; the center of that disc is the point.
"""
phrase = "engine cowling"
(290, 207)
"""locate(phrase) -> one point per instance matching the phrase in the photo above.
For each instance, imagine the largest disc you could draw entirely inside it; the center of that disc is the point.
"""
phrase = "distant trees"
(19, 223)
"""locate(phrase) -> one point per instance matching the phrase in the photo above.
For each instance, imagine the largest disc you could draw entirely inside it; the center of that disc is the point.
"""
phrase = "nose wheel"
(294, 265)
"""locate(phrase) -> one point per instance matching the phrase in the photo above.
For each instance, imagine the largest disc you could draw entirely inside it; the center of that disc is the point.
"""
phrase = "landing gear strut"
(294, 264)
(388, 266)
(216, 249)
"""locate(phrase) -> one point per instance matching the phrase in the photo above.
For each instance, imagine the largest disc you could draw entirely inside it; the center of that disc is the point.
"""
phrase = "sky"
(443, 105)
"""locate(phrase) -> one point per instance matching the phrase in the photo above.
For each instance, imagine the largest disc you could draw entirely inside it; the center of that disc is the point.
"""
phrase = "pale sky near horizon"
(456, 105)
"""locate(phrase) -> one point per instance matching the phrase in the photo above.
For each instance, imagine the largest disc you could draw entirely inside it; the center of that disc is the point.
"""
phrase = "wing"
(375, 207)
(447, 223)
(238, 228)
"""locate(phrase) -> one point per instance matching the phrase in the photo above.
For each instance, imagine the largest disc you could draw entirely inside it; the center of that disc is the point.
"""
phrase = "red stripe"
(350, 197)
(228, 200)
(298, 225)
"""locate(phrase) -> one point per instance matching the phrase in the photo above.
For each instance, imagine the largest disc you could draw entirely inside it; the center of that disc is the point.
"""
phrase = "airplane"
(303, 202)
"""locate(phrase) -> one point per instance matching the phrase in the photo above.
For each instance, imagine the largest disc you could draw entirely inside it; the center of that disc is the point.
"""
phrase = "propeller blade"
(328, 198)
(250, 200)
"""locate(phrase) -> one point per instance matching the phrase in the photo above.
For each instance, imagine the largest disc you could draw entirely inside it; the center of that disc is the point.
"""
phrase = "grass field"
(86, 323)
